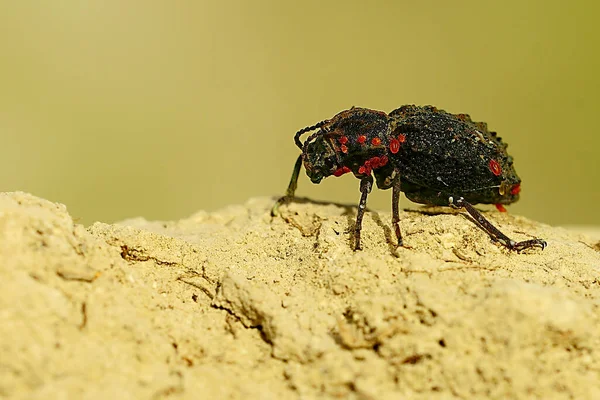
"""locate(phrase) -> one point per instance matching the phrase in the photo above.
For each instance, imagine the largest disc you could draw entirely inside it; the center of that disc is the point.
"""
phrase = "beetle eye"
(330, 163)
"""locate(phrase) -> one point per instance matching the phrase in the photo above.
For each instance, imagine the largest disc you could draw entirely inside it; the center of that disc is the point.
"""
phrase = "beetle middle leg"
(494, 232)
(366, 184)
(395, 209)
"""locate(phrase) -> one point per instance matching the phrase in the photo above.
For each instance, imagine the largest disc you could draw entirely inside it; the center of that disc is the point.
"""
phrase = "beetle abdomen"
(445, 154)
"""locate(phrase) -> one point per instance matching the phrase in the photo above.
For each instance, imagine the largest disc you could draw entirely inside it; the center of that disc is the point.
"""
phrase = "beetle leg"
(365, 188)
(494, 232)
(291, 190)
(395, 210)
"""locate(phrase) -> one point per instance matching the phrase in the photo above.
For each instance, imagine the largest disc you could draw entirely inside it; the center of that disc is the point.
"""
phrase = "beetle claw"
(520, 246)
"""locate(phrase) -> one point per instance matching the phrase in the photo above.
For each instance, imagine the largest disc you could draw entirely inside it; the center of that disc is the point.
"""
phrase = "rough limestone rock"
(237, 304)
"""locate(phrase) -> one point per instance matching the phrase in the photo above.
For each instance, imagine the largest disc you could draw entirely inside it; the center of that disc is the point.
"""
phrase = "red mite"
(495, 167)
(434, 157)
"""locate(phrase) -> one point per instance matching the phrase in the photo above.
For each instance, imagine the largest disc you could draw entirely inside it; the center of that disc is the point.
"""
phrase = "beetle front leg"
(366, 184)
(494, 232)
(291, 190)
(395, 209)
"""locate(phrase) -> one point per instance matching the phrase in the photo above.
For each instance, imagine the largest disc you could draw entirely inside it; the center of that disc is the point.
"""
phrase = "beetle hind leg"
(494, 232)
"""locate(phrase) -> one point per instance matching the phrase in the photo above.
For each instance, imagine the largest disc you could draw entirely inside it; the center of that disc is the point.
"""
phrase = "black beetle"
(434, 157)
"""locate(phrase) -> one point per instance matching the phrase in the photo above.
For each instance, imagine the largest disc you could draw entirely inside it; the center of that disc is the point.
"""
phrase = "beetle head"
(320, 159)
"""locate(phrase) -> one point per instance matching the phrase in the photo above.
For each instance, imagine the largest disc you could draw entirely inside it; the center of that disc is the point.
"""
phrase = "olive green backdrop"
(159, 108)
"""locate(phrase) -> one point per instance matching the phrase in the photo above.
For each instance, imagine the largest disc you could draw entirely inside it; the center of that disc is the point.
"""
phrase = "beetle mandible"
(434, 157)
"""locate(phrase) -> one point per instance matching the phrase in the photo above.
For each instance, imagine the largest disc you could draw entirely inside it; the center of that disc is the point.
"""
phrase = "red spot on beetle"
(500, 207)
(344, 148)
(495, 167)
(401, 138)
(375, 141)
(366, 168)
(361, 139)
(394, 146)
(343, 139)
(516, 189)
(341, 171)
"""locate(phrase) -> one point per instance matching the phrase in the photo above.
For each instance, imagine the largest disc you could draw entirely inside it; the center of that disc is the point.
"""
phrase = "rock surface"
(236, 304)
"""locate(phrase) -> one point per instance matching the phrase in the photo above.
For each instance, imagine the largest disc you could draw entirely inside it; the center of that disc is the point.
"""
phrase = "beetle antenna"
(307, 129)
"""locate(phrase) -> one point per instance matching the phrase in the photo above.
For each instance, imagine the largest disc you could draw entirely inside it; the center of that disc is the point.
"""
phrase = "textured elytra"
(449, 155)
(434, 157)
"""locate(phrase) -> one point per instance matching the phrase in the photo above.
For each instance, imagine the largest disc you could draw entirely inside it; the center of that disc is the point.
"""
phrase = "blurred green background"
(161, 108)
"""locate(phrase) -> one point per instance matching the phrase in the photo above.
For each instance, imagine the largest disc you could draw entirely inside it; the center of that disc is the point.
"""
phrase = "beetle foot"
(403, 245)
(278, 203)
(526, 244)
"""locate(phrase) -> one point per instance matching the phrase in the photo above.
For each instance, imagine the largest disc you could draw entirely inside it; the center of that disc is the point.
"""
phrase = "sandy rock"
(237, 304)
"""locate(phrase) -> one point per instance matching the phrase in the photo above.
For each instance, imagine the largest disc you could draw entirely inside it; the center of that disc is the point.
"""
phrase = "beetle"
(434, 157)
